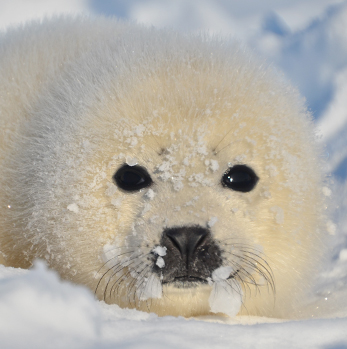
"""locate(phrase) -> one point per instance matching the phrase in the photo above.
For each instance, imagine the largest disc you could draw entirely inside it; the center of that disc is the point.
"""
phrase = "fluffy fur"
(79, 98)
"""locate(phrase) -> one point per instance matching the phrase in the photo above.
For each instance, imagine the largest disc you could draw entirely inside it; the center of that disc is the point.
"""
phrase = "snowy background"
(307, 39)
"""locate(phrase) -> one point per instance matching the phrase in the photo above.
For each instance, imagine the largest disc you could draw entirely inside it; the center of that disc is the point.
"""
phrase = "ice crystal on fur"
(279, 214)
(226, 295)
(150, 194)
(73, 208)
(212, 221)
(151, 289)
(226, 298)
(160, 250)
(160, 262)
(222, 273)
(132, 161)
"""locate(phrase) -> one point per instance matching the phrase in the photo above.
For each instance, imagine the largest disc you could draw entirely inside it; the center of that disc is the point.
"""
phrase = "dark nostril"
(177, 240)
(187, 239)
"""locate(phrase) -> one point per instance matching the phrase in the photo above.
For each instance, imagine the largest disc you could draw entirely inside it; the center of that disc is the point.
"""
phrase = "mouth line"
(186, 281)
(191, 281)
(187, 278)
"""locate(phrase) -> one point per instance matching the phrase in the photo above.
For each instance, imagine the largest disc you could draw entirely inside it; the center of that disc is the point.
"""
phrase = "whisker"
(217, 152)
(113, 258)
(267, 270)
(123, 267)
(143, 288)
(98, 284)
(240, 269)
(135, 281)
(256, 265)
(241, 298)
(117, 265)
(126, 277)
(119, 281)
(140, 281)
(215, 148)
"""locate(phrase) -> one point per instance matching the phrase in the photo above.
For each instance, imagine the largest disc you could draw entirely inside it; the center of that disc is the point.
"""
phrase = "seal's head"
(174, 175)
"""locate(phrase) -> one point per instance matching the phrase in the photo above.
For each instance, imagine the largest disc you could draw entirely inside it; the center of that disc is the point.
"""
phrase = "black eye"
(240, 178)
(132, 178)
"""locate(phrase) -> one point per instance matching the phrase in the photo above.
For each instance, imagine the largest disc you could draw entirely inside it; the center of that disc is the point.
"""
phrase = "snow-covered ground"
(37, 310)
(307, 39)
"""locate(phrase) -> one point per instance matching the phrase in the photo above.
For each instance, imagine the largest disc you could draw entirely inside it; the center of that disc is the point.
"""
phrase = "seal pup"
(169, 173)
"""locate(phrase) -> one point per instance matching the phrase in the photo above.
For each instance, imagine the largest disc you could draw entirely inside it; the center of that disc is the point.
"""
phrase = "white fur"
(81, 97)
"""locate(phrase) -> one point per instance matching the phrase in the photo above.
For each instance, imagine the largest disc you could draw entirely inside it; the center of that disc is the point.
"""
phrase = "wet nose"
(187, 239)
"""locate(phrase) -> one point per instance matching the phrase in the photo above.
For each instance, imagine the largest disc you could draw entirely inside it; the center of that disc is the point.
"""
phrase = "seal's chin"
(186, 281)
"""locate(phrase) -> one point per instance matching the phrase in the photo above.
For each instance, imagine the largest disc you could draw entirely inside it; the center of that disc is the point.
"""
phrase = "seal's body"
(166, 172)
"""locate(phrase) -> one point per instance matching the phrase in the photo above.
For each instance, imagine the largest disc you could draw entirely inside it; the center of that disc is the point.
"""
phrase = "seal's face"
(181, 183)
(189, 250)
(185, 204)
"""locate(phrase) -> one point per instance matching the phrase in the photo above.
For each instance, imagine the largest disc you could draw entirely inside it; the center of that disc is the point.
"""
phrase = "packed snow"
(160, 251)
(226, 295)
(37, 310)
(307, 39)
